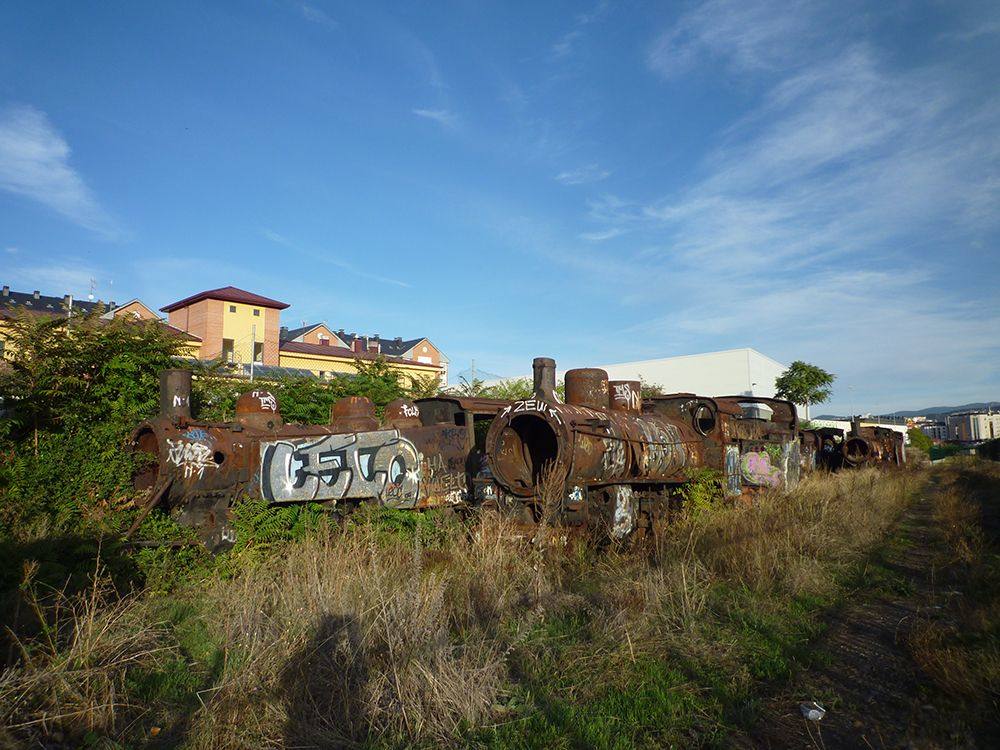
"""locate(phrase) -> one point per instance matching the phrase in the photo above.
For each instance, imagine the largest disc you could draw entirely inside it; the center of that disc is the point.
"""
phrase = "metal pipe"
(544, 369)
(175, 394)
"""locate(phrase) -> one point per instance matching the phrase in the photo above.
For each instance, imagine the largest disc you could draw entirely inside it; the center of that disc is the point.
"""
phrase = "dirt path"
(869, 685)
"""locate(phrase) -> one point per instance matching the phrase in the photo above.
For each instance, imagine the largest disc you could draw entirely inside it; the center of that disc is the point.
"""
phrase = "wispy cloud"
(607, 234)
(822, 214)
(316, 15)
(745, 34)
(583, 175)
(564, 46)
(65, 276)
(34, 162)
(327, 257)
(443, 117)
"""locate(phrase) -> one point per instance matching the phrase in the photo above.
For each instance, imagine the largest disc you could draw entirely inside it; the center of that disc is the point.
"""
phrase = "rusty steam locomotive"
(619, 461)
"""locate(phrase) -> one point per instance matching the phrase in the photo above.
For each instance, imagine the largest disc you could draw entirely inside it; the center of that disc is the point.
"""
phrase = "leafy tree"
(515, 389)
(649, 390)
(466, 388)
(73, 391)
(918, 439)
(803, 383)
(423, 386)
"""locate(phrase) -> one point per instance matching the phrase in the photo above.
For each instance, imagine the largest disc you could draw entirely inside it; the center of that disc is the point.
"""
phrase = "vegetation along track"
(913, 659)
(419, 630)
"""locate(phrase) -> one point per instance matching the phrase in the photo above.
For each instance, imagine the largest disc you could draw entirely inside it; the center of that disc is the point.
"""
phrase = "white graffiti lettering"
(192, 457)
(409, 410)
(378, 465)
(626, 394)
(533, 404)
(181, 400)
(267, 400)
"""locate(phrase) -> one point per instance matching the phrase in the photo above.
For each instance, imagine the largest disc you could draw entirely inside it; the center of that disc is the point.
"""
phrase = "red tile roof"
(297, 347)
(227, 294)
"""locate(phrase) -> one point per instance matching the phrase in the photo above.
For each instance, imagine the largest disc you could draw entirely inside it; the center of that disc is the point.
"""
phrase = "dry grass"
(957, 645)
(71, 676)
(347, 638)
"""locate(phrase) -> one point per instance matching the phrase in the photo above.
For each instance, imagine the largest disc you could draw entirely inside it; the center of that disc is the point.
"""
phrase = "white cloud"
(747, 34)
(327, 257)
(564, 46)
(316, 15)
(607, 234)
(443, 117)
(11, 250)
(63, 277)
(583, 175)
(821, 225)
(34, 162)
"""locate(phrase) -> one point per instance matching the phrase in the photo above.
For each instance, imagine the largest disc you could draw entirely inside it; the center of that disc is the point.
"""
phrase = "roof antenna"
(93, 286)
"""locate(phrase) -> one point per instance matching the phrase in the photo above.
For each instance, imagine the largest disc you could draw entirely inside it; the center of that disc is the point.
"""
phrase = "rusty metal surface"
(202, 468)
(622, 459)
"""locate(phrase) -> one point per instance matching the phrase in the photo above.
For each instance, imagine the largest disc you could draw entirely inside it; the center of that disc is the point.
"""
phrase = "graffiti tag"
(626, 394)
(380, 465)
(192, 457)
(196, 433)
(756, 469)
(532, 404)
(181, 400)
(409, 410)
(267, 400)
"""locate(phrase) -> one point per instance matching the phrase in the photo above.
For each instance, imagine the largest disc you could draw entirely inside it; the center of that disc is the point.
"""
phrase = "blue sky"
(595, 182)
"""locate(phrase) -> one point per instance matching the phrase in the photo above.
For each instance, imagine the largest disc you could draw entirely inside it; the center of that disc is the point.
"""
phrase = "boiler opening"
(857, 449)
(527, 445)
(147, 448)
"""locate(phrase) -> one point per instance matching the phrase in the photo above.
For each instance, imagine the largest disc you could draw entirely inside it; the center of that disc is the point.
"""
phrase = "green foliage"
(305, 400)
(515, 389)
(258, 523)
(919, 440)
(803, 383)
(427, 528)
(75, 389)
(649, 390)
(705, 488)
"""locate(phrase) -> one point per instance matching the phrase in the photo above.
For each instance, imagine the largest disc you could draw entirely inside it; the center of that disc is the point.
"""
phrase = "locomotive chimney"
(856, 425)
(626, 395)
(587, 386)
(545, 378)
(175, 394)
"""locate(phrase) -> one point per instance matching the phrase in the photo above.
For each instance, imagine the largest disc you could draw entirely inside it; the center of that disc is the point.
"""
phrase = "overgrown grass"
(409, 629)
(957, 645)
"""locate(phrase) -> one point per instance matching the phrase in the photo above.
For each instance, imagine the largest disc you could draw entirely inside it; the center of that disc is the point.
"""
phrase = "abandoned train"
(607, 458)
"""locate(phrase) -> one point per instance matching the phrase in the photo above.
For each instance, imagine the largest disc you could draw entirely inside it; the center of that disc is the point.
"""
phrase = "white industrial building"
(733, 372)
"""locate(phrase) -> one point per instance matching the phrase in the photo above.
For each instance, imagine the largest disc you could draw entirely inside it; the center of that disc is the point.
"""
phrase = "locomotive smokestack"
(545, 378)
(175, 394)
(856, 425)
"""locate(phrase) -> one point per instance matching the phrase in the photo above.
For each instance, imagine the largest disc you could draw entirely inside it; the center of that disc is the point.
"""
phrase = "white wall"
(726, 373)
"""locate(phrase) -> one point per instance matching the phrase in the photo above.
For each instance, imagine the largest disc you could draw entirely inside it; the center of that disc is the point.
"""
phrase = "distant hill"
(933, 411)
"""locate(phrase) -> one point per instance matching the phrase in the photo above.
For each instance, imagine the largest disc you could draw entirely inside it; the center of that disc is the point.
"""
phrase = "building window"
(227, 350)
(258, 351)
(232, 308)
(256, 313)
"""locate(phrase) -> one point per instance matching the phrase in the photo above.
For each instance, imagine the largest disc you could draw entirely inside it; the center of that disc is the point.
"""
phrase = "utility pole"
(253, 348)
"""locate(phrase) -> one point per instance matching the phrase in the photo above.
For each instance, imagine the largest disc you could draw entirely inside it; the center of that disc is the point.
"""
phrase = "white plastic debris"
(812, 711)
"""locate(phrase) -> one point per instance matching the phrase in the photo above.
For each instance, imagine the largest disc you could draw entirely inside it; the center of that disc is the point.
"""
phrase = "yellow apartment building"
(245, 329)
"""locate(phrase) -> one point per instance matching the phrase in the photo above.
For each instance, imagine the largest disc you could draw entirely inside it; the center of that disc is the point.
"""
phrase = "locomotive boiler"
(618, 461)
(419, 456)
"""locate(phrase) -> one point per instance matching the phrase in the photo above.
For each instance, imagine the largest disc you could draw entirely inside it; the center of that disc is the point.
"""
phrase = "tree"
(803, 383)
(918, 439)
